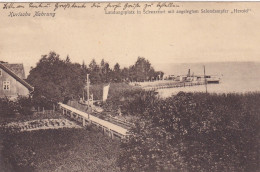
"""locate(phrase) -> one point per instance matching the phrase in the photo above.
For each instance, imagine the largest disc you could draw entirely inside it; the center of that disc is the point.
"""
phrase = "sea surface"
(236, 77)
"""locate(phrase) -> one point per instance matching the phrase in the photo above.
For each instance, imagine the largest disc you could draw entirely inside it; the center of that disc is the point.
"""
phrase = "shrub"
(195, 132)
(24, 105)
(7, 107)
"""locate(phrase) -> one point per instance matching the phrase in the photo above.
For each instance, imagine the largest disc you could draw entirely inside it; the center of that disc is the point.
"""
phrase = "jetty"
(111, 129)
(172, 85)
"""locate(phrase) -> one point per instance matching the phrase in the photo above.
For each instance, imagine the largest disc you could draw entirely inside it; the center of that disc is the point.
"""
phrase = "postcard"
(129, 86)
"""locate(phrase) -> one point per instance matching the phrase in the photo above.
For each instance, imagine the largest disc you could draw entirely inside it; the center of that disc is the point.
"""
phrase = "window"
(6, 85)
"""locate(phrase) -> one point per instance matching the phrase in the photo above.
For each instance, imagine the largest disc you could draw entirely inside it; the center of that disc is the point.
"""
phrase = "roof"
(17, 72)
(18, 69)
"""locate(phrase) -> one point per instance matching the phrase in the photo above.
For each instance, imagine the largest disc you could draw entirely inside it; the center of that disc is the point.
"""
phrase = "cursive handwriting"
(95, 5)
(149, 5)
(12, 5)
(133, 6)
(166, 5)
(39, 5)
(114, 7)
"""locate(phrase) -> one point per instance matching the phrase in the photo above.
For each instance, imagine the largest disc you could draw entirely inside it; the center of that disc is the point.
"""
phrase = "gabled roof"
(17, 73)
(18, 69)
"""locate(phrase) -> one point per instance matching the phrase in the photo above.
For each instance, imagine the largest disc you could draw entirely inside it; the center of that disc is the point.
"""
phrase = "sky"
(84, 34)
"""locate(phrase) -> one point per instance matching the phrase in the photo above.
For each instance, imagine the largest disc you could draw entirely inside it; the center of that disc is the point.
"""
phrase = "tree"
(56, 80)
(125, 74)
(84, 67)
(142, 71)
(93, 65)
(117, 73)
(105, 71)
(95, 72)
(67, 59)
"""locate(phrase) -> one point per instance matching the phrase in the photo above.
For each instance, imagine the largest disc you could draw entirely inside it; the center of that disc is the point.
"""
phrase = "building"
(12, 83)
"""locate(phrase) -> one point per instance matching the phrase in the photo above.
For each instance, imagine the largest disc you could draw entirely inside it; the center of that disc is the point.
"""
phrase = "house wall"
(16, 88)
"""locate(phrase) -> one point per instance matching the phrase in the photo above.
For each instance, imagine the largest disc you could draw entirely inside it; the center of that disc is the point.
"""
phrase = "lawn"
(67, 149)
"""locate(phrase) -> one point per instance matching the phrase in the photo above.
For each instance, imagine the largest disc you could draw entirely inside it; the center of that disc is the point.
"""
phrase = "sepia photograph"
(129, 86)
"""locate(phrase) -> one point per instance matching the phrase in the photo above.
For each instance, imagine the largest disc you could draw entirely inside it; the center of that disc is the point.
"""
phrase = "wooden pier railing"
(87, 119)
(174, 85)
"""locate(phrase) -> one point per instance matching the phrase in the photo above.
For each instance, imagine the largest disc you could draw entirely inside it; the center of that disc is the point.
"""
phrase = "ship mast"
(205, 79)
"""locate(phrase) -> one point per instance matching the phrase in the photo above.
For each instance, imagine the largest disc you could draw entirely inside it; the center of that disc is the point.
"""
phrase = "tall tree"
(105, 71)
(56, 80)
(117, 73)
(95, 72)
(125, 74)
(142, 69)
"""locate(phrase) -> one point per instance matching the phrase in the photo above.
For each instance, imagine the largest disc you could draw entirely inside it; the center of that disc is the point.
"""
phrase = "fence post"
(112, 135)
(83, 122)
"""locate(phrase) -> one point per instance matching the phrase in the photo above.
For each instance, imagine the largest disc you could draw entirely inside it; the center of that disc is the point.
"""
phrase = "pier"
(86, 119)
(173, 85)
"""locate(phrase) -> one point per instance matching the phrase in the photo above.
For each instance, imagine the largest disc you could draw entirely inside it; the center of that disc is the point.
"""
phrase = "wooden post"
(112, 134)
(83, 122)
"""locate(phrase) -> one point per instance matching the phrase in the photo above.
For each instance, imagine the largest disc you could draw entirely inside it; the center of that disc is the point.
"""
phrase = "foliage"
(143, 71)
(7, 107)
(59, 150)
(127, 98)
(56, 80)
(24, 105)
(195, 132)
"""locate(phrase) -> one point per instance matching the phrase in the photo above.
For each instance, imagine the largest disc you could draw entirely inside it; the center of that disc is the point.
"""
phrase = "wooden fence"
(87, 119)
(48, 112)
(120, 121)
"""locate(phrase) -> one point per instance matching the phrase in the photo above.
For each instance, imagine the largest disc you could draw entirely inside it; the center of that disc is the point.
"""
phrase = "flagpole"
(88, 87)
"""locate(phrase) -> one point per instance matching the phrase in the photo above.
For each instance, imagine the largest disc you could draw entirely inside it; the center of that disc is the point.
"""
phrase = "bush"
(24, 105)
(7, 107)
(195, 132)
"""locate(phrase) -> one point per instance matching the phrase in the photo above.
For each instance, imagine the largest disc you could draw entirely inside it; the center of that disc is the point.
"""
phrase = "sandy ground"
(41, 124)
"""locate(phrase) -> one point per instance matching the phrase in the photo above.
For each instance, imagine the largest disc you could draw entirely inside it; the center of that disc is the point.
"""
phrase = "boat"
(211, 79)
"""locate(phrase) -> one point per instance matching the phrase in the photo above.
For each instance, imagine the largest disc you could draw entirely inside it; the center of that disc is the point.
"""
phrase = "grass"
(59, 150)
(66, 149)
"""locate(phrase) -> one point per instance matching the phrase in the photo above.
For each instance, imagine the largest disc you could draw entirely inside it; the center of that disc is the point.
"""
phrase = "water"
(236, 77)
